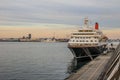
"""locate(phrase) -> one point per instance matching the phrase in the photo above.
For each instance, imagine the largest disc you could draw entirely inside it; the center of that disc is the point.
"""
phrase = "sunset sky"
(43, 18)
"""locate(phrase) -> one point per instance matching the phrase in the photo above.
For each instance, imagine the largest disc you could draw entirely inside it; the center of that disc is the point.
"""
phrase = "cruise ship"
(88, 42)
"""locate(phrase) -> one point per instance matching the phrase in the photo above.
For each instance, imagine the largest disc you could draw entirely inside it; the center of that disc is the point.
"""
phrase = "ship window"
(71, 37)
(90, 30)
(95, 37)
(95, 40)
(80, 30)
(82, 34)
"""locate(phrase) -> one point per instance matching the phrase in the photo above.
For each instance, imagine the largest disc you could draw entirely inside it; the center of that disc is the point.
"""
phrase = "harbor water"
(34, 61)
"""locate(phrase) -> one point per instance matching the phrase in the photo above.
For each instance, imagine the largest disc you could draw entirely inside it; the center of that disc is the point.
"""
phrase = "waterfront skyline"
(43, 18)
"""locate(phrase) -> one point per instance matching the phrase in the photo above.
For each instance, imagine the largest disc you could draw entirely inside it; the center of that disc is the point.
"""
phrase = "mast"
(86, 22)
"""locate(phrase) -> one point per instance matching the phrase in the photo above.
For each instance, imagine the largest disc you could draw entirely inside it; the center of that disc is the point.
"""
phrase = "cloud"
(31, 12)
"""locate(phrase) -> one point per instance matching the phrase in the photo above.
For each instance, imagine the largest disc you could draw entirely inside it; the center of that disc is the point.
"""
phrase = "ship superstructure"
(87, 42)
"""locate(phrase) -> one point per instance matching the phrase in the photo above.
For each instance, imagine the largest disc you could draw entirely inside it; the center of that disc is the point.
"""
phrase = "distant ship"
(88, 42)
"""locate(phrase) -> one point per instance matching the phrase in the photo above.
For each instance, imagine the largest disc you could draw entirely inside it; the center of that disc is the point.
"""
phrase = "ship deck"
(84, 45)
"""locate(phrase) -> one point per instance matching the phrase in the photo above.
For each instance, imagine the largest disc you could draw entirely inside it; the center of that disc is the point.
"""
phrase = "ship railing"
(82, 45)
(88, 56)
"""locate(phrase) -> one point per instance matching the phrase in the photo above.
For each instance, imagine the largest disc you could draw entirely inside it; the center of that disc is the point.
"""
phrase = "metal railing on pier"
(112, 69)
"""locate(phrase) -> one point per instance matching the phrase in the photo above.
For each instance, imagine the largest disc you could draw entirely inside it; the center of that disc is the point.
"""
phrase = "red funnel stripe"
(96, 26)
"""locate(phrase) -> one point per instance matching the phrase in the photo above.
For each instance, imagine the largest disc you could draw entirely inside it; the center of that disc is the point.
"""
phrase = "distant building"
(29, 36)
(9, 40)
(23, 37)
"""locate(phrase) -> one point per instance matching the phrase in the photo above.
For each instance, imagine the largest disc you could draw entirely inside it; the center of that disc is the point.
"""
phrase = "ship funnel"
(96, 26)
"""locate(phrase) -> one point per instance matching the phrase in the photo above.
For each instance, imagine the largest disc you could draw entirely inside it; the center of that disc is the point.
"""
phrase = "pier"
(104, 67)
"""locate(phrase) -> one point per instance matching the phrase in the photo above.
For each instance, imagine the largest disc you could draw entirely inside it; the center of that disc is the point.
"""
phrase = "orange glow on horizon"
(38, 32)
(112, 34)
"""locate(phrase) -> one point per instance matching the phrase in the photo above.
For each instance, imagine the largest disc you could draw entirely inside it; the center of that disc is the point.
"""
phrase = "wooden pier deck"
(103, 67)
(92, 70)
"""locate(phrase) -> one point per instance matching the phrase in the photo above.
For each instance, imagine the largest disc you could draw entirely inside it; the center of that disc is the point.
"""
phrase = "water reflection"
(74, 65)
